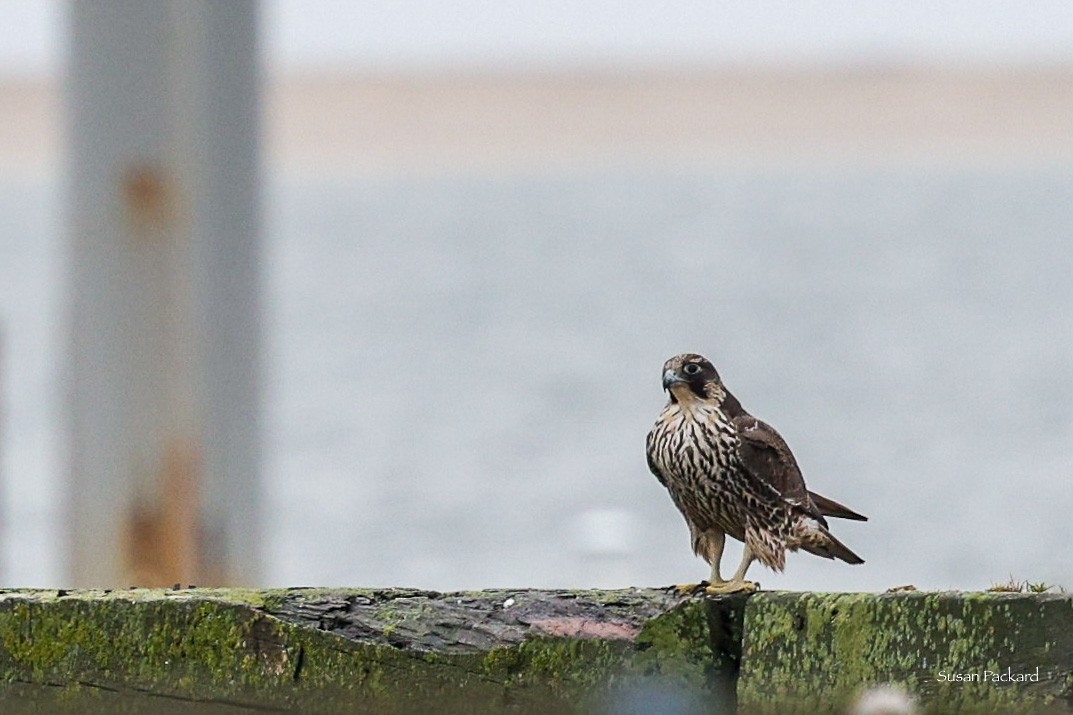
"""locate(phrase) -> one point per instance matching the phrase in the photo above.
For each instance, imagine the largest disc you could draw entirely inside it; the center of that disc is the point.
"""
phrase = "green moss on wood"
(222, 646)
(813, 653)
(225, 649)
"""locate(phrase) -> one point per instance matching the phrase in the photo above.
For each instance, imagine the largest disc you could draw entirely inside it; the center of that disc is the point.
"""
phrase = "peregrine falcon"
(730, 473)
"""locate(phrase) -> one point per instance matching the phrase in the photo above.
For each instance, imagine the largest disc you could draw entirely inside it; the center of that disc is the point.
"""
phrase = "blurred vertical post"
(163, 127)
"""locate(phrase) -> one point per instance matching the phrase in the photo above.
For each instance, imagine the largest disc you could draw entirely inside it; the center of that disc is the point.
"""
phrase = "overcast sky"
(310, 34)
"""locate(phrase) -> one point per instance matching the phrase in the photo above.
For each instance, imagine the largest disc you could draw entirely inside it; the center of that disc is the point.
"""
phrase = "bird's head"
(690, 376)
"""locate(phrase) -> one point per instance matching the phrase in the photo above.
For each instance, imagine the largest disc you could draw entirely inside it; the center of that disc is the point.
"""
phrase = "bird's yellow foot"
(720, 589)
(688, 589)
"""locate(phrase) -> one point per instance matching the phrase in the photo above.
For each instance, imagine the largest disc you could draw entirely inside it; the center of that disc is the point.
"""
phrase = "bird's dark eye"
(691, 369)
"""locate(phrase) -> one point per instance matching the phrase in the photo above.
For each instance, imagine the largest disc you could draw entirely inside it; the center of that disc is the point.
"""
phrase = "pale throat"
(692, 406)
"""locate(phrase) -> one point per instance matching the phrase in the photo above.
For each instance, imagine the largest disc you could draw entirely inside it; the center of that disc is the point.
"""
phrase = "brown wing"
(766, 455)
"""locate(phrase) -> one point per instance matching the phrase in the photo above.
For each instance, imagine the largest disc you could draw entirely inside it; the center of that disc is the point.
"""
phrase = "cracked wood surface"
(380, 650)
(474, 621)
(405, 650)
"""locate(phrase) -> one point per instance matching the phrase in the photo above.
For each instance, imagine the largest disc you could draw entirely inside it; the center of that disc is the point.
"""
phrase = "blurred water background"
(462, 370)
(463, 359)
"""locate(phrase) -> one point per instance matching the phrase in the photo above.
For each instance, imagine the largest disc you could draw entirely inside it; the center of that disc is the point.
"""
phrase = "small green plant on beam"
(1025, 586)
(1010, 586)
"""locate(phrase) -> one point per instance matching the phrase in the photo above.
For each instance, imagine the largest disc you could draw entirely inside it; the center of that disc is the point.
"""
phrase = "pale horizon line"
(444, 122)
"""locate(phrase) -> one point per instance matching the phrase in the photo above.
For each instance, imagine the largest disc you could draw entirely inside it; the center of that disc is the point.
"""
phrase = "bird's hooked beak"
(670, 379)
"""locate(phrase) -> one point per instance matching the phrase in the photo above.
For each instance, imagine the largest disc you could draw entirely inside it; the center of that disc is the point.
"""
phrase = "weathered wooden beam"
(389, 650)
(634, 650)
(956, 652)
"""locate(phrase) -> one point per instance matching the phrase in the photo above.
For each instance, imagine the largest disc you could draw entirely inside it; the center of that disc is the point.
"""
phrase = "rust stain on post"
(162, 537)
(163, 545)
(149, 199)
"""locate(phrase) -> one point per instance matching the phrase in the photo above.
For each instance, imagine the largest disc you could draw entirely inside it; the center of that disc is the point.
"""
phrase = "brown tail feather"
(829, 507)
(832, 548)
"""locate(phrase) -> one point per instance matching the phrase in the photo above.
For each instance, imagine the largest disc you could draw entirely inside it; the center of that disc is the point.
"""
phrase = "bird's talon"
(688, 589)
(727, 587)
